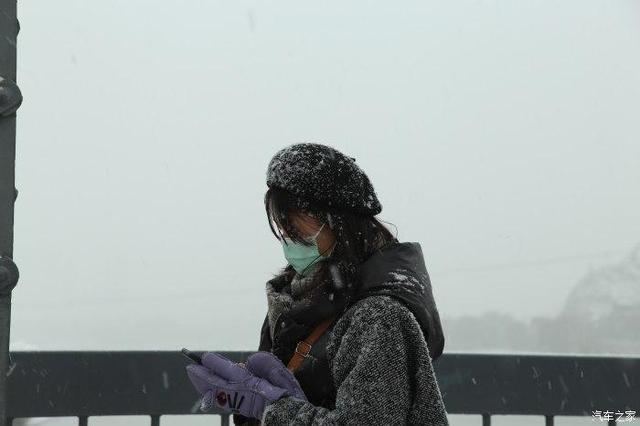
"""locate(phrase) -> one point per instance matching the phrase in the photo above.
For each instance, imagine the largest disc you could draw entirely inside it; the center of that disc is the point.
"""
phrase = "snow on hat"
(325, 176)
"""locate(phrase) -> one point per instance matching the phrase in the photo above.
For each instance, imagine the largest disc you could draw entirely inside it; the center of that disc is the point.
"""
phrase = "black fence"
(154, 383)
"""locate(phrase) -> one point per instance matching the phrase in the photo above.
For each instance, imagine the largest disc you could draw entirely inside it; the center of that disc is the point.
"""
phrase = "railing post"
(10, 100)
(486, 419)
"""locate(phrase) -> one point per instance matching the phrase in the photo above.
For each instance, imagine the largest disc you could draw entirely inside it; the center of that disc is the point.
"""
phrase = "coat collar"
(399, 270)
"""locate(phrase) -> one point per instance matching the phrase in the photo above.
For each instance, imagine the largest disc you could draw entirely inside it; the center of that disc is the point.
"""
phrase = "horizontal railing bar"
(101, 383)
(553, 385)
(225, 418)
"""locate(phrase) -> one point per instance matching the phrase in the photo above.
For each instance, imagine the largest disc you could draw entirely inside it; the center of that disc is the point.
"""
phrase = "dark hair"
(357, 236)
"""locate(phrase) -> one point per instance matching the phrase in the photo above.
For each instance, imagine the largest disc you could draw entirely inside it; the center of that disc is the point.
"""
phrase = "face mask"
(300, 256)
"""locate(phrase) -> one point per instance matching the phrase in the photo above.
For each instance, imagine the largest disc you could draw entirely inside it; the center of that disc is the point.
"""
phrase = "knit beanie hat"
(324, 176)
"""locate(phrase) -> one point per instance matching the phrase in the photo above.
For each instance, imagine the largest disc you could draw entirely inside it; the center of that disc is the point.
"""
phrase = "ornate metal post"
(10, 100)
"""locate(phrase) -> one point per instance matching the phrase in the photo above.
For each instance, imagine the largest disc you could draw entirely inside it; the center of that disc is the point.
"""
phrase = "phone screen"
(192, 356)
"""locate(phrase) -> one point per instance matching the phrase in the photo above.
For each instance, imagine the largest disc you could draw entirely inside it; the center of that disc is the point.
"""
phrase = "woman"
(352, 314)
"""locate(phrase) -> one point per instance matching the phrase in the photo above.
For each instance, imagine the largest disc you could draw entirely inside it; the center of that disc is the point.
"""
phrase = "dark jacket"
(398, 272)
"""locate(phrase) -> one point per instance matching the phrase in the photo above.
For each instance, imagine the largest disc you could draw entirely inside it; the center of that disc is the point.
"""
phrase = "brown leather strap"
(304, 346)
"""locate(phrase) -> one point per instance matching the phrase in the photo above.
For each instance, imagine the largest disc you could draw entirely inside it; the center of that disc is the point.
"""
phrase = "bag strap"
(304, 346)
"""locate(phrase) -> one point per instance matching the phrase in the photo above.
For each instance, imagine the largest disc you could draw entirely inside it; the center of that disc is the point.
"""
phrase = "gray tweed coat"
(381, 363)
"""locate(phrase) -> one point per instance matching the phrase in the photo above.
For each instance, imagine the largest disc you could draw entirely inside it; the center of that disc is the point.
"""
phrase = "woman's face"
(307, 226)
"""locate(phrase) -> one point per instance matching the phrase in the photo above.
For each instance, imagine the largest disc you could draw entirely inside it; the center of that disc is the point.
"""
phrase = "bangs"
(279, 205)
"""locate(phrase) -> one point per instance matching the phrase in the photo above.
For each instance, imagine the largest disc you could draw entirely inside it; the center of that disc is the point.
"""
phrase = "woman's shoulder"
(375, 323)
(376, 309)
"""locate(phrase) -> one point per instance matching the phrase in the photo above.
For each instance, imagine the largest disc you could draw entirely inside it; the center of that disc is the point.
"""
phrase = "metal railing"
(154, 383)
(10, 101)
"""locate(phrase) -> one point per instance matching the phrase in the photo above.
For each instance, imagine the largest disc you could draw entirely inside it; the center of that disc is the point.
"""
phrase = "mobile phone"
(192, 356)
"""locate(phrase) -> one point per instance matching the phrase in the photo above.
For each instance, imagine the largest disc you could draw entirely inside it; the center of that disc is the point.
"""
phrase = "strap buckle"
(304, 352)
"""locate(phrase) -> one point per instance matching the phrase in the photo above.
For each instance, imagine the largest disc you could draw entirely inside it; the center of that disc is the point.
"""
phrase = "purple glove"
(246, 391)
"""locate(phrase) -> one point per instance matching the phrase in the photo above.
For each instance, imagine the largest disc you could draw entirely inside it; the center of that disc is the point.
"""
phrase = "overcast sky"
(501, 135)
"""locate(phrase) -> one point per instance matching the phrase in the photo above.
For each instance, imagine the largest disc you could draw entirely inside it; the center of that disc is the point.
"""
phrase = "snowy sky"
(501, 135)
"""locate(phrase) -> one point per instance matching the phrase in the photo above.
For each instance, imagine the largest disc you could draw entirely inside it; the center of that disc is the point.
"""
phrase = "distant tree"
(600, 316)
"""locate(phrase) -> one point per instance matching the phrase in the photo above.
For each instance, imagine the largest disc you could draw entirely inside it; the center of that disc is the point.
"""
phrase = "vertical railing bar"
(155, 419)
(9, 102)
(548, 420)
(225, 419)
(486, 420)
(83, 420)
